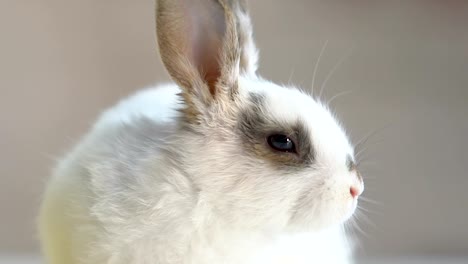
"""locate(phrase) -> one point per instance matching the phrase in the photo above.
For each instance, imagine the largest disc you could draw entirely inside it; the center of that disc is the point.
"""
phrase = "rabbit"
(220, 166)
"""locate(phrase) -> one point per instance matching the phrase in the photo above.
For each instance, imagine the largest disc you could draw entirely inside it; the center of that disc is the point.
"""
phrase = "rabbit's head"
(258, 154)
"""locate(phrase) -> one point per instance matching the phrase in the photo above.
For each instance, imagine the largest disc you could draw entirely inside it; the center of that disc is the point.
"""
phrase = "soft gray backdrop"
(405, 67)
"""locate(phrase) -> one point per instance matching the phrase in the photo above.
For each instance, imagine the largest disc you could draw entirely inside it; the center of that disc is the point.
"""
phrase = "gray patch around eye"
(251, 118)
(255, 126)
(304, 141)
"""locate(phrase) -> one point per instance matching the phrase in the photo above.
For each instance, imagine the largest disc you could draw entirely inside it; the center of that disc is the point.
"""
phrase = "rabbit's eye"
(281, 143)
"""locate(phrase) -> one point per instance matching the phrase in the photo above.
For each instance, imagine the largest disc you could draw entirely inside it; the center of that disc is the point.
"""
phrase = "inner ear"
(206, 33)
(192, 41)
(210, 72)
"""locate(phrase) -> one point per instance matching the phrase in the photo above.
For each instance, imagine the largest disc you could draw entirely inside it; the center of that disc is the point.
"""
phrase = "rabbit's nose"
(356, 189)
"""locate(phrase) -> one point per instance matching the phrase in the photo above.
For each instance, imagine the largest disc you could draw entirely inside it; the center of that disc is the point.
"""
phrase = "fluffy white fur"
(141, 188)
(116, 199)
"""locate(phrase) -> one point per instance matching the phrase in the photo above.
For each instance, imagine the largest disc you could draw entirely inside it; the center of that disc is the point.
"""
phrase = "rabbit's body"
(104, 202)
(222, 167)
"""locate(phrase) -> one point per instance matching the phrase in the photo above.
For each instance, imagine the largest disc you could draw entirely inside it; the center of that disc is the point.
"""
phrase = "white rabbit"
(221, 167)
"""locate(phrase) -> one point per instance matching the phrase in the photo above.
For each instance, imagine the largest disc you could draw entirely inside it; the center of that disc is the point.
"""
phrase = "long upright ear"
(205, 45)
(249, 52)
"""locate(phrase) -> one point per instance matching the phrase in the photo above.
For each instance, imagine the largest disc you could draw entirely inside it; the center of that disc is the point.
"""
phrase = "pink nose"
(355, 191)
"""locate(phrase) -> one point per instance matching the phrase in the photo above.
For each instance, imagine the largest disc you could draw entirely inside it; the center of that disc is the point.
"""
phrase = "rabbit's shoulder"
(129, 137)
(133, 129)
(126, 141)
(158, 103)
(129, 132)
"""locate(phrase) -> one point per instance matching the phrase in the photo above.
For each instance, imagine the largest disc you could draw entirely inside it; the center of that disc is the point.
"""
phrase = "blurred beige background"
(64, 61)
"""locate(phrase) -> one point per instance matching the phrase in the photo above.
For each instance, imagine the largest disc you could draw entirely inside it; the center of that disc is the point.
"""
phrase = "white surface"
(399, 260)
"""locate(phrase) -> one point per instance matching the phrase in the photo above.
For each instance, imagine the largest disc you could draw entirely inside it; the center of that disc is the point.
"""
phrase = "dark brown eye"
(281, 143)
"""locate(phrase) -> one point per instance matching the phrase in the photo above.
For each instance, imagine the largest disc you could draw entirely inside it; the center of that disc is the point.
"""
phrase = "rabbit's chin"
(332, 216)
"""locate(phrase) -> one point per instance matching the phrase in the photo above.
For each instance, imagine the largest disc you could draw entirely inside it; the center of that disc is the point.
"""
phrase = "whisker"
(362, 217)
(370, 134)
(359, 145)
(356, 226)
(348, 227)
(373, 144)
(365, 138)
(365, 162)
(367, 177)
(364, 209)
(367, 211)
(363, 155)
(333, 70)
(367, 200)
(338, 95)
(290, 76)
(317, 65)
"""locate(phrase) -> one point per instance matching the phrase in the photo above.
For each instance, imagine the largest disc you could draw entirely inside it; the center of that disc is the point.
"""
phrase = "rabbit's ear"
(205, 45)
(249, 52)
